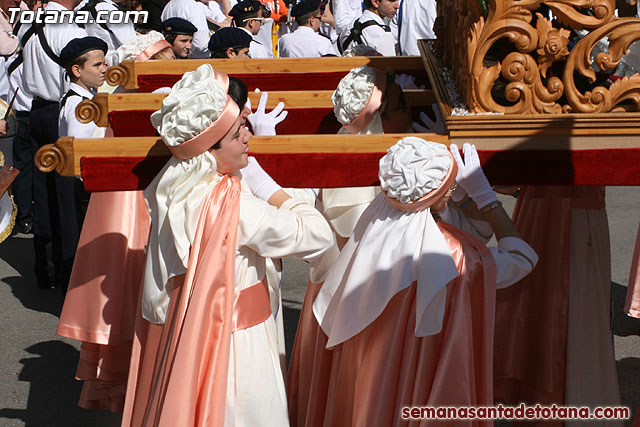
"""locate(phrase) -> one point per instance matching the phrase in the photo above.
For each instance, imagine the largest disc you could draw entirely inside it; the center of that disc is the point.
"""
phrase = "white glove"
(429, 125)
(471, 177)
(264, 124)
(259, 182)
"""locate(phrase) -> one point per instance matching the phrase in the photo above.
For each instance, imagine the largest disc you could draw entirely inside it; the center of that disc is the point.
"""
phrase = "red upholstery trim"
(131, 123)
(263, 81)
(273, 81)
(517, 167)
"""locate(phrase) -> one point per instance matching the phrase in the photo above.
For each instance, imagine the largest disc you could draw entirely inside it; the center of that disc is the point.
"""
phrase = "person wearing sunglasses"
(305, 40)
(247, 15)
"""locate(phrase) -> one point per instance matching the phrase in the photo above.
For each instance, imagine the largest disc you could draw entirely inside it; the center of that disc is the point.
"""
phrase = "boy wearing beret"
(305, 40)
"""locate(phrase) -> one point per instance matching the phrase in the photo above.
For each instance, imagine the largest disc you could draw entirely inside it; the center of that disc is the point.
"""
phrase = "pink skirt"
(100, 305)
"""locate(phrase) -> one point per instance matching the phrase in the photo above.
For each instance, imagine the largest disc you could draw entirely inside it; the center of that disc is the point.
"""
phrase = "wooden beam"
(126, 74)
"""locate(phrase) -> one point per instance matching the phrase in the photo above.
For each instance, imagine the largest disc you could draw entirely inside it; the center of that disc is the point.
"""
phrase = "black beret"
(77, 47)
(305, 7)
(228, 37)
(245, 8)
(178, 26)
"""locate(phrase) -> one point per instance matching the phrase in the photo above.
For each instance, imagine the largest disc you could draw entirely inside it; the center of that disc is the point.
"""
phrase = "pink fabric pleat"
(532, 315)
(99, 308)
(178, 373)
(386, 367)
(632, 305)
(310, 366)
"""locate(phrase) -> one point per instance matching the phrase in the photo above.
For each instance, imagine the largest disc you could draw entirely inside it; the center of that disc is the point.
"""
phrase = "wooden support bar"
(97, 109)
(126, 74)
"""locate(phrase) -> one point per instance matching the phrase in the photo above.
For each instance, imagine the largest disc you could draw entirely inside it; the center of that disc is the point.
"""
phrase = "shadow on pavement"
(17, 251)
(53, 392)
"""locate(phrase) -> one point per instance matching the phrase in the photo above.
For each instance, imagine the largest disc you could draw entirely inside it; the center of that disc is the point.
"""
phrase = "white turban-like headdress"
(394, 245)
(141, 48)
(194, 116)
(357, 99)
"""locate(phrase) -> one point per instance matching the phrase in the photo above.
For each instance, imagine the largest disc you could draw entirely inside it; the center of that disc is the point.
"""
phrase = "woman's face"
(233, 153)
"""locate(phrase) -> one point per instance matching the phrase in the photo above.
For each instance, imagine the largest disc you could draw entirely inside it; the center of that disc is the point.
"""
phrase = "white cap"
(413, 167)
(194, 102)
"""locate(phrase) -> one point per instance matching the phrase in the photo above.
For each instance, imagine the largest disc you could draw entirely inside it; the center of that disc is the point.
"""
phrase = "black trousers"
(24, 152)
(56, 219)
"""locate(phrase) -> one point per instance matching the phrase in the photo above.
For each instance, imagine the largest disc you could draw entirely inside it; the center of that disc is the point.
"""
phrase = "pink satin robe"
(366, 380)
(100, 304)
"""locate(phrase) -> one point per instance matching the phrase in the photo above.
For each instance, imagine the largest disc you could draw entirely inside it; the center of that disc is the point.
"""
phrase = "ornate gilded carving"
(519, 60)
(49, 158)
(87, 111)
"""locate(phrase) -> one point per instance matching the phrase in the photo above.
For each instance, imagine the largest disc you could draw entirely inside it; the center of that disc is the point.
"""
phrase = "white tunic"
(373, 36)
(23, 98)
(196, 13)
(305, 43)
(264, 36)
(120, 33)
(68, 124)
(256, 49)
(415, 22)
(256, 392)
(345, 12)
(42, 76)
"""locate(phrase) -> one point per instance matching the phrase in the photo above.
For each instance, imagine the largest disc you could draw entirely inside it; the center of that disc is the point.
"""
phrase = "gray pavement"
(37, 367)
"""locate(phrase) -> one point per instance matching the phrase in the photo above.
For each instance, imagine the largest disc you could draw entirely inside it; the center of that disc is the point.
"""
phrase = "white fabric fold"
(388, 251)
(135, 46)
(412, 168)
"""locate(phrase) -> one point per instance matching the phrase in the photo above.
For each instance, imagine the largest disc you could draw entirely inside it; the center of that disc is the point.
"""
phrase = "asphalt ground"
(37, 386)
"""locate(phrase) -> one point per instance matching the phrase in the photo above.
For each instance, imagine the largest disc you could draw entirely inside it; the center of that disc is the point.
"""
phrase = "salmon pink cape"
(178, 374)
(100, 305)
(368, 379)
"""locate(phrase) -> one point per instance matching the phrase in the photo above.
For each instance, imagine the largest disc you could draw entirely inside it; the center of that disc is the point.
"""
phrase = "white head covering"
(136, 46)
(176, 194)
(351, 96)
(390, 249)
(361, 50)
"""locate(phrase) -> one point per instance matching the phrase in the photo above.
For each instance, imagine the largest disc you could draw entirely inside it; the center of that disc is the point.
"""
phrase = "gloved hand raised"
(263, 123)
(428, 125)
(471, 177)
(259, 182)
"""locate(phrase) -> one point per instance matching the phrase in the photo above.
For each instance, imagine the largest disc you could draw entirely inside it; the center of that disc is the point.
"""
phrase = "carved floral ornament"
(513, 59)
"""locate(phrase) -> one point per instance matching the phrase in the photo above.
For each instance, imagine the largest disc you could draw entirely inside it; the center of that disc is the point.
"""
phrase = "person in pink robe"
(407, 311)
(205, 351)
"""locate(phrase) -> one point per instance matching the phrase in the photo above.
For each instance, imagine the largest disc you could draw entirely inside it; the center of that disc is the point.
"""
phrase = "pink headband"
(430, 198)
(214, 132)
(365, 116)
(154, 48)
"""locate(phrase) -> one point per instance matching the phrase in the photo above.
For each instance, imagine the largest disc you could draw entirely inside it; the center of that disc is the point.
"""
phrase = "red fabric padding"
(516, 167)
(299, 121)
(131, 123)
(274, 81)
(262, 81)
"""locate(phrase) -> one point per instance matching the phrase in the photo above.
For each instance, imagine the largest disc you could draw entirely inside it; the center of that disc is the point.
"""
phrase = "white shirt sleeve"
(514, 260)
(380, 40)
(345, 12)
(295, 229)
(68, 124)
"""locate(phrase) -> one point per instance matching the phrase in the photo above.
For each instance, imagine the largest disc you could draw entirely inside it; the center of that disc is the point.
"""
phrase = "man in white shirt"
(196, 13)
(230, 43)
(415, 20)
(56, 220)
(305, 40)
(115, 35)
(372, 28)
(247, 15)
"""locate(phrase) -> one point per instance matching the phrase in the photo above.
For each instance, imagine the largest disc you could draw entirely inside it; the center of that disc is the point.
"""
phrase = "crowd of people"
(174, 290)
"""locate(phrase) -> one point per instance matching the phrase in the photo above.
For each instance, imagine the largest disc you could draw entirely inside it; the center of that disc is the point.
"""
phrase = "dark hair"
(303, 20)
(241, 21)
(239, 92)
(368, 4)
(170, 38)
(80, 60)
(222, 53)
